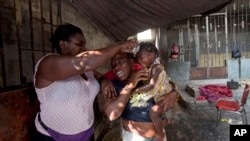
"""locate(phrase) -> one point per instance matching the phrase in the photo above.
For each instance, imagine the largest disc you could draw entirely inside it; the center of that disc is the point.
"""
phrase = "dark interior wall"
(27, 25)
(9, 42)
(19, 105)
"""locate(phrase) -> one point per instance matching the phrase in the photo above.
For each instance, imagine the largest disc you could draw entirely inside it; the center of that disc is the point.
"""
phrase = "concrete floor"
(193, 121)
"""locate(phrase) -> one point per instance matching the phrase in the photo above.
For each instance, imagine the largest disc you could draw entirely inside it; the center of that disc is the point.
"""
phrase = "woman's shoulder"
(46, 56)
(45, 60)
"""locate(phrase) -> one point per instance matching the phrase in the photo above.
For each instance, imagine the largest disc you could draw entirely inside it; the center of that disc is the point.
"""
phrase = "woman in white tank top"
(66, 85)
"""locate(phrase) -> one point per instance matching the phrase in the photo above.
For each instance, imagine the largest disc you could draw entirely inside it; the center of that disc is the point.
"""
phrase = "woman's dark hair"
(130, 55)
(149, 47)
(63, 32)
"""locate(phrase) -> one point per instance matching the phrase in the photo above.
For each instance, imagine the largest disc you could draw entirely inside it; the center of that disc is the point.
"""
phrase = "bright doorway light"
(145, 35)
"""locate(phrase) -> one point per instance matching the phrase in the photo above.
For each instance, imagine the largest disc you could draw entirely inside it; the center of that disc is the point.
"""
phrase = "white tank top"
(67, 105)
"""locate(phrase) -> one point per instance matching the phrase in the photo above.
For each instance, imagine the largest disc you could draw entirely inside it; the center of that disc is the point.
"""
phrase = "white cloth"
(67, 105)
(128, 136)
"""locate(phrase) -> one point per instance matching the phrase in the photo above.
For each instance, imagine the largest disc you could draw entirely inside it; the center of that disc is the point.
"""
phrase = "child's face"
(145, 58)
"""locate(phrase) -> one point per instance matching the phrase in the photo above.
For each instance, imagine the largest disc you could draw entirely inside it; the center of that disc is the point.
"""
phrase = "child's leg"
(155, 115)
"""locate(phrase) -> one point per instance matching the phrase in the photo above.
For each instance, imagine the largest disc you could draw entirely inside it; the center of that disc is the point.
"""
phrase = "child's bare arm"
(174, 86)
(153, 76)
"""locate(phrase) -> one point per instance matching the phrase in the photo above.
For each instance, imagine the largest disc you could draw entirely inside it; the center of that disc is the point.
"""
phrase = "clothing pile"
(213, 92)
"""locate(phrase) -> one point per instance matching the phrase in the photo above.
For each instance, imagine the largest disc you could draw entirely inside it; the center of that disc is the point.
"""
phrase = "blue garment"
(137, 109)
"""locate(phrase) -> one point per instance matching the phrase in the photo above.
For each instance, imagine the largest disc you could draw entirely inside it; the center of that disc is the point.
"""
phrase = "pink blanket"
(213, 92)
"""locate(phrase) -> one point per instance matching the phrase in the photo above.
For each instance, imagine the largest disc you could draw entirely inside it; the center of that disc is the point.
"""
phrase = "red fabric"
(220, 90)
(213, 92)
(227, 105)
(201, 98)
(174, 51)
(110, 75)
(137, 66)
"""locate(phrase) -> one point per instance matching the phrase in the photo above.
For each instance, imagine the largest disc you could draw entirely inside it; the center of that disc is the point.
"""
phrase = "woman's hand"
(137, 76)
(128, 45)
(169, 100)
(108, 89)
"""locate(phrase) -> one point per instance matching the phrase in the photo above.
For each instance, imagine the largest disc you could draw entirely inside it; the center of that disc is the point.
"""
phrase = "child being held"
(157, 85)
